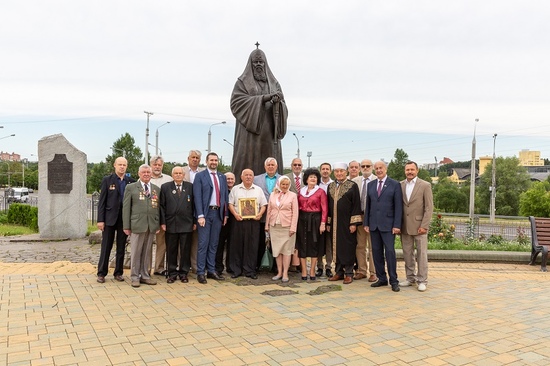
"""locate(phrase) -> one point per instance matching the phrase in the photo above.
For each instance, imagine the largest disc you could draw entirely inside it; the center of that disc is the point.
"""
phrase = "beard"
(259, 74)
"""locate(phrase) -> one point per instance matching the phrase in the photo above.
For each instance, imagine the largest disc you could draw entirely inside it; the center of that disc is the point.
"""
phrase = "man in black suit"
(383, 213)
(109, 219)
(176, 219)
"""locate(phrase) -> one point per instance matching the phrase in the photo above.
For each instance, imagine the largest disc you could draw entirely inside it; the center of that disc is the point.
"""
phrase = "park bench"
(540, 240)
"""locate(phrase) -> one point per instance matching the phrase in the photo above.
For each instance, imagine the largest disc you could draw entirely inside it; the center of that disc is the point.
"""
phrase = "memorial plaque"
(60, 175)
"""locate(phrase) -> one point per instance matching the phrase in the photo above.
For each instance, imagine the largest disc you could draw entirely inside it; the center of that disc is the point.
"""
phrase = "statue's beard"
(259, 74)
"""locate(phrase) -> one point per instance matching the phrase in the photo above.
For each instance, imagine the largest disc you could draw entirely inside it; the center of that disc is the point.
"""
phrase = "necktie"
(217, 188)
(364, 194)
(146, 189)
(297, 184)
(380, 187)
(178, 188)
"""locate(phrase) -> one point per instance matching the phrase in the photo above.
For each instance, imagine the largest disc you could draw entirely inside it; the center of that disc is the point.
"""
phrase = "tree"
(396, 167)
(96, 172)
(512, 179)
(536, 200)
(448, 196)
(126, 146)
(425, 175)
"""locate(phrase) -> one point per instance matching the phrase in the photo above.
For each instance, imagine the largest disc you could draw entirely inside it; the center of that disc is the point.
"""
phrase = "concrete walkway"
(53, 312)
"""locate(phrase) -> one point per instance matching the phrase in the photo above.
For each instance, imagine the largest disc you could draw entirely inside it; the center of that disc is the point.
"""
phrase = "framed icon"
(248, 208)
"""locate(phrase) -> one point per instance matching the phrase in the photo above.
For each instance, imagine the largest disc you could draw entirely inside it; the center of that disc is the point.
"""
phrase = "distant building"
(5, 156)
(530, 158)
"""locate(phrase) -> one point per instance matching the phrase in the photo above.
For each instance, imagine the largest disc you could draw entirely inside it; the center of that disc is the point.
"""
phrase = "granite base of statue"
(62, 204)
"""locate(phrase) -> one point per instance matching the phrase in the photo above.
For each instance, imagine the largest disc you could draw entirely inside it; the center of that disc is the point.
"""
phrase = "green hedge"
(25, 215)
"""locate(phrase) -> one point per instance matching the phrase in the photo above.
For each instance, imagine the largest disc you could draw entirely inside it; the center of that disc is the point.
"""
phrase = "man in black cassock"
(258, 104)
(344, 216)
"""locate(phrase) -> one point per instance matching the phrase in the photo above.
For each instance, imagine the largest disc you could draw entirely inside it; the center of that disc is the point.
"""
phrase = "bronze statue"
(258, 104)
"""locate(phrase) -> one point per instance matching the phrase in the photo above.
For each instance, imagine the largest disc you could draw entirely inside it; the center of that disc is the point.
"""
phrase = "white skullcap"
(340, 165)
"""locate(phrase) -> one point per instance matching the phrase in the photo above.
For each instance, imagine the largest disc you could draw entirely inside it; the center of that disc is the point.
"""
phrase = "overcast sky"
(360, 78)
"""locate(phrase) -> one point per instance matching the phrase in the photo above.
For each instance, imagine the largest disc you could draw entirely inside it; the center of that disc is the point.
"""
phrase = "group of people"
(202, 221)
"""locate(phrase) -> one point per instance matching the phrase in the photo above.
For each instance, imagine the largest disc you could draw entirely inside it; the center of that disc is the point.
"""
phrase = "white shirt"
(409, 186)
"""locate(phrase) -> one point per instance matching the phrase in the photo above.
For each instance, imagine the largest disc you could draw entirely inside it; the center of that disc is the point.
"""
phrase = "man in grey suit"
(177, 220)
(140, 217)
(296, 175)
(417, 214)
(266, 181)
(382, 220)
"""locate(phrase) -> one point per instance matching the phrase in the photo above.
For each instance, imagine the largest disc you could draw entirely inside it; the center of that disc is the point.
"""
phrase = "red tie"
(217, 188)
(380, 187)
(298, 184)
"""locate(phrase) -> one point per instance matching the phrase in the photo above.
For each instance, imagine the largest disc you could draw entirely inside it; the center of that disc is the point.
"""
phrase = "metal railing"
(508, 227)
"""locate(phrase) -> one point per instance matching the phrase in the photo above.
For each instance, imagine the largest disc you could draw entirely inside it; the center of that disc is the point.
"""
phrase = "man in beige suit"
(417, 214)
(189, 171)
(364, 245)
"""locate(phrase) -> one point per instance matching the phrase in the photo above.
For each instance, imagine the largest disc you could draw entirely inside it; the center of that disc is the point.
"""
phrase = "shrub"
(441, 231)
(25, 215)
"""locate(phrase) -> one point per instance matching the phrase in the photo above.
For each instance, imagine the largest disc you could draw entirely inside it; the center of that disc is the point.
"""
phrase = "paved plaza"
(53, 312)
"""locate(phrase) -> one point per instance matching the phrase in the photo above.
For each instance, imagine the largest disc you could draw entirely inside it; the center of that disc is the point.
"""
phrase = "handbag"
(267, 259)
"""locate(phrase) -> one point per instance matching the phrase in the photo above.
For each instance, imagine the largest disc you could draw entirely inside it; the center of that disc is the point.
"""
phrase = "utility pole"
(147, 137)
(473, 176)
(493, 183)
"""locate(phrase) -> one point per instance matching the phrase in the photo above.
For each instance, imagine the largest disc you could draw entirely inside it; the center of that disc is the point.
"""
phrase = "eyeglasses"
(297, 164)
(366, 166)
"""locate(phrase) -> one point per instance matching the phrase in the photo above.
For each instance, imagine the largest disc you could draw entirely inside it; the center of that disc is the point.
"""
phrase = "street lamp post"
(156, 149)
(5, 137)
(309, 153)
(298, 142)
(157, 138)
(493, 183)
(210, 135)
(113, 149)
(147, 137)
(473, 176)
(228, 142)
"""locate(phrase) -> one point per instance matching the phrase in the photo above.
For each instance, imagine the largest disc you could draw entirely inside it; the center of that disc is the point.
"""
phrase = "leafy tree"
(425, 175)
(536, 200)
(449, 196)
(396, 167)
(96, 172)
(512, 179)
(126, 146)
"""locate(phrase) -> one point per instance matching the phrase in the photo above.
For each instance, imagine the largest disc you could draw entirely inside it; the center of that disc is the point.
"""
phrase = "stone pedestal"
(62, 201)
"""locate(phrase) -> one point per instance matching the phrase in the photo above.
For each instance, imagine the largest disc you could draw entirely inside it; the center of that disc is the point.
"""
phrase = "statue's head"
(258, 63)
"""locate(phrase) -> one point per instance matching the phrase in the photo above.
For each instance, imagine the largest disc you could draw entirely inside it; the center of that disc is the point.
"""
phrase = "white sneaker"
(421, 287)
(406, 283)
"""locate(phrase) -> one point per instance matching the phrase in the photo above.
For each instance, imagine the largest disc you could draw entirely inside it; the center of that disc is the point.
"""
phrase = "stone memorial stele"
(62, 205)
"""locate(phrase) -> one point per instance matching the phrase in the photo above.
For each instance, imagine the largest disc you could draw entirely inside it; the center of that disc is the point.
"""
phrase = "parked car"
(18, 195)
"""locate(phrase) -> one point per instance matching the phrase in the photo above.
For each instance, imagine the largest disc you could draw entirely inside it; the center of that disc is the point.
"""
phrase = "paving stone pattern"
(53, 312)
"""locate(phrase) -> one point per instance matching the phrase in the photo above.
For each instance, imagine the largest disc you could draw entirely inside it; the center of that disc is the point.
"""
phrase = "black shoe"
(163, 273)
(215, 276)
(395, 287)
(253, 276)
(234, 275)
(319, 272)
(380, 284)
(328, 272)
(171, 279)
(201, 279)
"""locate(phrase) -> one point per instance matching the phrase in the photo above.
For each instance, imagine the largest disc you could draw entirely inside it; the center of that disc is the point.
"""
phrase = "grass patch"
(485, 245)
(11, 230)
